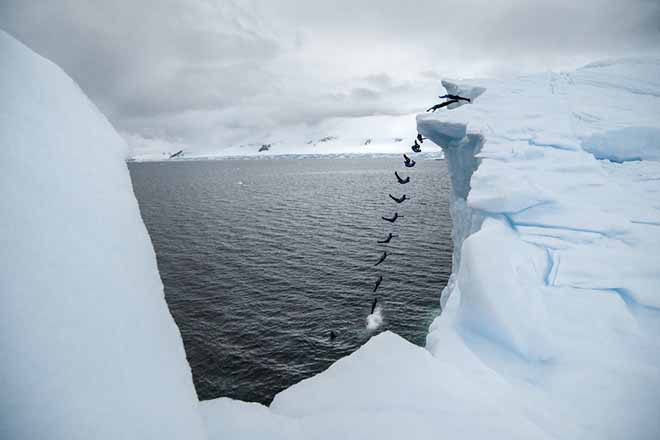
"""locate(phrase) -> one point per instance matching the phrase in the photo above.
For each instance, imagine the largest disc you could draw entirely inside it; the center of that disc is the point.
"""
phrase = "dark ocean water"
(261, 259)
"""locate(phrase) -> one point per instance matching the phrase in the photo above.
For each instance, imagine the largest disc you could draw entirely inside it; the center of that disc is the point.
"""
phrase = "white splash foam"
(375, 319)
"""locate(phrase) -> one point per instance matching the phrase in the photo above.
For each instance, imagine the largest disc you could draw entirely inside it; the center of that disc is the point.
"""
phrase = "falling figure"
(420, 138)
(381, 259)
(378, 281)
(387, 240)
(393, 219)
(373, 305)
(409, 164)
(332, 335)
(442, 104)
(401, 199)
(456, 97)
(402, 181)
(416, 148)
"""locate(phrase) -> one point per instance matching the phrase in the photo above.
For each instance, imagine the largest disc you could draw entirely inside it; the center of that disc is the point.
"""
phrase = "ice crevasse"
(550, 319)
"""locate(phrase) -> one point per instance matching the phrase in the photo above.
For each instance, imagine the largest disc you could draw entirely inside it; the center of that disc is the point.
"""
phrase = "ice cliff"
(88, 347)
(549, 325)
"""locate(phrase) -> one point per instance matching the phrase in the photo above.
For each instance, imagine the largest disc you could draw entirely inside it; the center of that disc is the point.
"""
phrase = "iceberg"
(89, 349)
(549, 321)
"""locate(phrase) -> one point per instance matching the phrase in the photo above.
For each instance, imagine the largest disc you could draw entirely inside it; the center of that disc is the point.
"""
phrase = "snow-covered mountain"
(348, 135)
(550, 321)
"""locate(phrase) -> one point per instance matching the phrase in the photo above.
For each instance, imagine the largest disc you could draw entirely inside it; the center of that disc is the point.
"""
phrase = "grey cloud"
(207, 73)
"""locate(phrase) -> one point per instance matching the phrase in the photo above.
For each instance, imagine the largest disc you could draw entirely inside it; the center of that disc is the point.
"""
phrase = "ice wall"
(88, 348)
(556, 251)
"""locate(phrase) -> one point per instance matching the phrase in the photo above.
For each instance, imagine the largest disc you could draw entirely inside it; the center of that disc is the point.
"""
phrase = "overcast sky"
(206, 73)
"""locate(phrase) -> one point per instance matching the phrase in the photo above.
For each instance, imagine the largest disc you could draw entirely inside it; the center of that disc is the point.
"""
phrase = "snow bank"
(89, 349)
(392, 389)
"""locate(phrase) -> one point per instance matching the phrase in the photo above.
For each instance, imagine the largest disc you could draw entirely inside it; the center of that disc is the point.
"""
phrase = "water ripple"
(256, 275)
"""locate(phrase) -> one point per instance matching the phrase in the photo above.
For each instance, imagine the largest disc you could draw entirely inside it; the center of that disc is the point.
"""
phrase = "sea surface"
(262, 259)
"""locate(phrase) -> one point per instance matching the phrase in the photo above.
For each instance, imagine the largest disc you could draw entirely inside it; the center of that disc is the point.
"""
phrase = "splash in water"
(375, 320)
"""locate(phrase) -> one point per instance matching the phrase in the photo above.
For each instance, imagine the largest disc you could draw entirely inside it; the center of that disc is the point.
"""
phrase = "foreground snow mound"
(555, 284)
(89, 349)
(388, 389)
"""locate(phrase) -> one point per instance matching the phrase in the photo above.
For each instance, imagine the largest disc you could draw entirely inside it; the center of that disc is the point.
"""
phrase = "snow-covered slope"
(88, 349)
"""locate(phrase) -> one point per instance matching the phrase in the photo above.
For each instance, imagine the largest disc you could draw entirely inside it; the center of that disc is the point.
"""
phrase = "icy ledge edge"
(460, 150)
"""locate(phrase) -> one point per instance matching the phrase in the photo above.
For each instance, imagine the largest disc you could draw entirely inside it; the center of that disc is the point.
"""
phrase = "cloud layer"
(207, 74)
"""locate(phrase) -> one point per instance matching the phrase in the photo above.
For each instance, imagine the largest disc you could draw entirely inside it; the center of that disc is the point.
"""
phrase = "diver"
(177, 154)
(332, 335)
(402, 181)
(420, 138)
(416, 148)
(406, 159)
(442, 104)
(373, 305)
(378, 281)
(393, 219)
(410, 164)
(401, 199)
(456, 97)
(381, 259)
(387, 240)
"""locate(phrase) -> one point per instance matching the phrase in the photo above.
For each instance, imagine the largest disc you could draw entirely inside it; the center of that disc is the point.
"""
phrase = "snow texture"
(88, 347)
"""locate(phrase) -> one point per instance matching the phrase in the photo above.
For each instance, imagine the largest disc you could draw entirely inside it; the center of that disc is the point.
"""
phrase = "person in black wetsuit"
(456, 97)
(393, 219)
(420, 138)
(373, 305)
(416, 147)
(381, 259)
(378, 281)
(387, 240)
(442, 104)
(400, 180)
(332, 335)
(408, 162)
(401, 199)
